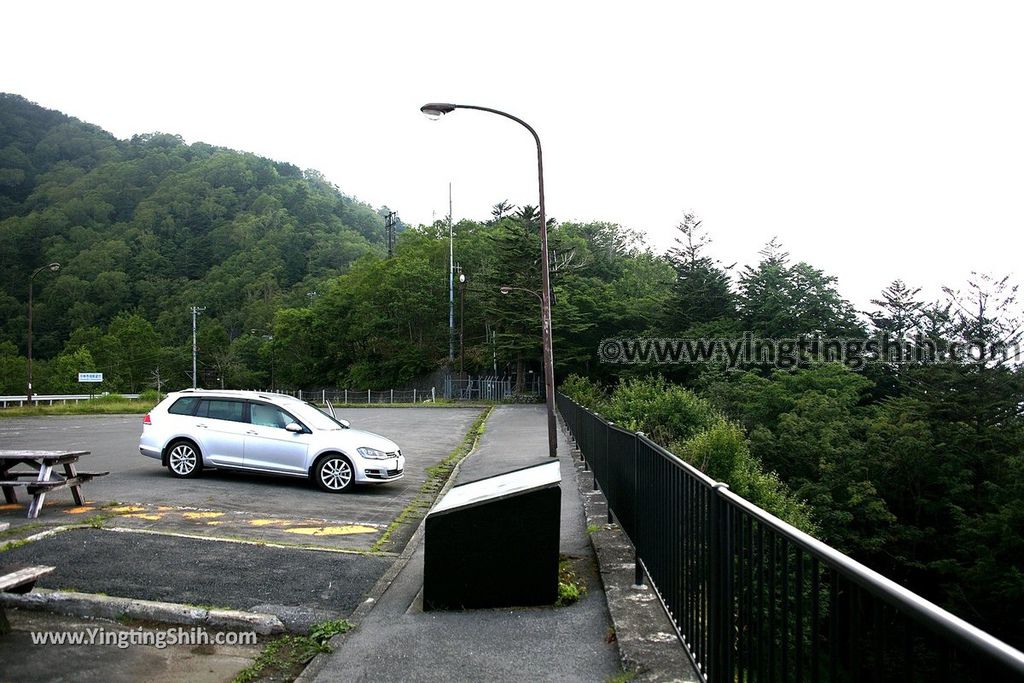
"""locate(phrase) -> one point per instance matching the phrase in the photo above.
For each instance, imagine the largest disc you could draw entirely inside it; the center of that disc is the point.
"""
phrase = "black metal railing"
(755, 599)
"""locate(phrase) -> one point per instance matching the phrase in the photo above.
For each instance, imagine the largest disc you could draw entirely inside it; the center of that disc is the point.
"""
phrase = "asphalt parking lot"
(232, 504)
(266, 544)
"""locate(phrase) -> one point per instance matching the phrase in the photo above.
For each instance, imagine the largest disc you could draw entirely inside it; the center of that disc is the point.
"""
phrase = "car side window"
(216, 409)
(268, 416)
(183, 406)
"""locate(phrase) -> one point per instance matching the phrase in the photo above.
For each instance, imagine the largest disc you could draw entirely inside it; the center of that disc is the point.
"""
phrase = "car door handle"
(253, 432)
(203, 426)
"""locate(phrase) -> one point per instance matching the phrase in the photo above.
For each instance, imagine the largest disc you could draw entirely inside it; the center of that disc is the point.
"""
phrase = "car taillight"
(146, 420)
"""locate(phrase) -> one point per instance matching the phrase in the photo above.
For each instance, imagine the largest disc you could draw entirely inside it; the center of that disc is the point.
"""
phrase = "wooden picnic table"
(41, 478)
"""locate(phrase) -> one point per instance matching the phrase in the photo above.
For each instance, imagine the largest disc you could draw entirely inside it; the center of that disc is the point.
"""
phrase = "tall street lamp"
(52, 267)
(435, 110)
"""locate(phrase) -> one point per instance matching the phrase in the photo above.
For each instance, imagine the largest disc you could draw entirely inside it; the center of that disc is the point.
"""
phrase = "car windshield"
(313, 416)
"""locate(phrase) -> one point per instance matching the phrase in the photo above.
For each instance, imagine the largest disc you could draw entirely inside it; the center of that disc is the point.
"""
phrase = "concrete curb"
(317, 664)
(648, 644)
(106, 607)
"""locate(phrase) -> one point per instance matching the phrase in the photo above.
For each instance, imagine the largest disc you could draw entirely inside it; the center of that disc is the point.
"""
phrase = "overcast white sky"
(877, 140)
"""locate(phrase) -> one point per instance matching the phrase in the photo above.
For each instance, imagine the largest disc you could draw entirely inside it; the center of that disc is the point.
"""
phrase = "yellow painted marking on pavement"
(332, 530)
(151, 518)
(266, 522)
(202, 515)
(127, 508)
(10, 506)
(164, 508)
(213, 523)
(79, 510)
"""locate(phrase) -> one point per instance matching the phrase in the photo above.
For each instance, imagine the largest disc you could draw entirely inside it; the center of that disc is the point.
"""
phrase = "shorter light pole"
(52, 267)
(505, 289)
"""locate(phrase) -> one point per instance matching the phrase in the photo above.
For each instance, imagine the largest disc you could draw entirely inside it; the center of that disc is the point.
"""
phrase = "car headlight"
(373, 453)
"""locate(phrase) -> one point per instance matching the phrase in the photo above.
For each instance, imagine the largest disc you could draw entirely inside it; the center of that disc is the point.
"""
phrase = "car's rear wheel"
(184, 459)
(334, 474)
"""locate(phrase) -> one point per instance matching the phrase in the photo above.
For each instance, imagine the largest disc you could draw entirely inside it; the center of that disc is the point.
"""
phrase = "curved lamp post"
(53, 267)
(435, 110)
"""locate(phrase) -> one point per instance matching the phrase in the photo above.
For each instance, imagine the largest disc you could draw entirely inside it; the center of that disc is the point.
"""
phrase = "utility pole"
(462, 321)
(494, 350)
(451, 284)
(53, 267)
(390, 224)
(158, 380)
(196, 310)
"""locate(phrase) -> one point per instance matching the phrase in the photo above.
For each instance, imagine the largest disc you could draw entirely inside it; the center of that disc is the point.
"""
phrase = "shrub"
(584, 392)
(150, 396)
(721, 452)
(664, 412)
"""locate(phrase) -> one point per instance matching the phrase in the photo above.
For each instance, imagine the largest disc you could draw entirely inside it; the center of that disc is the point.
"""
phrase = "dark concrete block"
(494, 542)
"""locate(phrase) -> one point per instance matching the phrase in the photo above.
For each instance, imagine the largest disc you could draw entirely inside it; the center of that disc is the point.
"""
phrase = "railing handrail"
(922, 611)
(690, 469)
(898, 596)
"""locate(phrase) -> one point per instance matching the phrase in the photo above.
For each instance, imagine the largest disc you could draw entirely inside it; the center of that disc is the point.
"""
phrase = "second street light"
(436, 110)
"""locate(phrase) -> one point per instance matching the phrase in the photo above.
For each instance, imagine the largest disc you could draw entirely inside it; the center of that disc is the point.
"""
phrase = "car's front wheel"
(334, 473)
(184, 460)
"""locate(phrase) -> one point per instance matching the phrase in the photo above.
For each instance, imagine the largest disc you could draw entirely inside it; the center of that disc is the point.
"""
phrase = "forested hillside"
(143, 230)
(912, 465)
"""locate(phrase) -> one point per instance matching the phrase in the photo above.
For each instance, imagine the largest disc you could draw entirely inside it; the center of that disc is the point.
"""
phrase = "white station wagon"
(265, 432)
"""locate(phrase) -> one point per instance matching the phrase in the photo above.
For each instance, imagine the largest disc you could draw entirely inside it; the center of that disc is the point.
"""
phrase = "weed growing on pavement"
(284, 658)
(570, 587)
(593, 528)
(96, 521)
(326, 630)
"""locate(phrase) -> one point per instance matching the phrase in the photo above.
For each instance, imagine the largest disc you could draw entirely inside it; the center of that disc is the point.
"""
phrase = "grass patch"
(570, 587)
(437, 475)
(593, 528)
(623, 677)
(23, 529)
(11, 545)
(285, 657)
(103, 405)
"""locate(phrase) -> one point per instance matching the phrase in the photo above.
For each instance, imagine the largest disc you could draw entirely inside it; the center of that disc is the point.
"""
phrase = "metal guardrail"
(755, 599)
(50, 399)
(363, 396)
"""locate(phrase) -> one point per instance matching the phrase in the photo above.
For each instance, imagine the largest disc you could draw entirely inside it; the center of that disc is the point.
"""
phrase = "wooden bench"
(19, 582)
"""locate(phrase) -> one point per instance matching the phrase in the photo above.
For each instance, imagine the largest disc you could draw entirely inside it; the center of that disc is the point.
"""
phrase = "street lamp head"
(505, 290)
(54, 267)
(435, 110)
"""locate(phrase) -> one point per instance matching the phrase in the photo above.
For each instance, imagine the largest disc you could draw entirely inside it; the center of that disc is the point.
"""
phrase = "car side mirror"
(295, 427)
(345, 423)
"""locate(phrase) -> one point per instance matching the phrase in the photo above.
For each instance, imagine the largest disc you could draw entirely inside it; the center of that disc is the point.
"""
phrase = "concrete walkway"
(397, 641)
